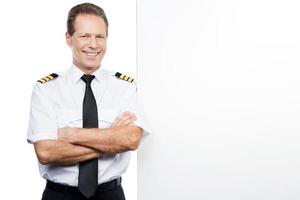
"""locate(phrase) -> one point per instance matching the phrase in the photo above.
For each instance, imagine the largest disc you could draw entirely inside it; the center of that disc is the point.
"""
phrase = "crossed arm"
(79, 144)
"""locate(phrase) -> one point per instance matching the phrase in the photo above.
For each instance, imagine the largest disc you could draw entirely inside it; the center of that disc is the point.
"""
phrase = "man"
(84, 122)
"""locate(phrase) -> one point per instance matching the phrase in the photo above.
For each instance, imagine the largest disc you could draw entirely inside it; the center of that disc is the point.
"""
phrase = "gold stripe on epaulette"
(124, 77)
(48, 78)
(41, 80)
(130, 80)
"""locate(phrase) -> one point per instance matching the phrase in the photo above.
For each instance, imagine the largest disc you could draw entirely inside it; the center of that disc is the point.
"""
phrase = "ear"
(68, 39)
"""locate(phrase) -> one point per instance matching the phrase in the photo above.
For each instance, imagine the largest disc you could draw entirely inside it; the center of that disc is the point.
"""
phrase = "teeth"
(91, 54)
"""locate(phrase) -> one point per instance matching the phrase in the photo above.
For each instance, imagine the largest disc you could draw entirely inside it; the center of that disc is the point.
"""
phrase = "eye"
(100, 36)
(83, 36)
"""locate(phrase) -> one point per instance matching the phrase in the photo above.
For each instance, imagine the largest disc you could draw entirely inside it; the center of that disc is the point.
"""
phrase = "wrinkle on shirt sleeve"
(42, 119)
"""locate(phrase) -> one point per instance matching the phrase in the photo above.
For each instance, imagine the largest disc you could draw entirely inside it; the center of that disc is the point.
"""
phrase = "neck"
(87, 70)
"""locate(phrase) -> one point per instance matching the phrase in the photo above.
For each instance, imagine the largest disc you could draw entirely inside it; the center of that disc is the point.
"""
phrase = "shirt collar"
(76, 74)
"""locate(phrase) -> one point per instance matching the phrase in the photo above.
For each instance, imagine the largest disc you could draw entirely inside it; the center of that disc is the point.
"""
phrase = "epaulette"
(124, 77)
(48, 78)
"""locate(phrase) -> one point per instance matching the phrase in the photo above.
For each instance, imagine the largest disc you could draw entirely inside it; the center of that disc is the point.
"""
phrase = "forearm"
(109, 140)
(58, 152)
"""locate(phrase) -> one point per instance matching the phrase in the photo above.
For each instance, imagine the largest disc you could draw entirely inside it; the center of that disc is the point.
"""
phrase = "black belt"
(74, 190)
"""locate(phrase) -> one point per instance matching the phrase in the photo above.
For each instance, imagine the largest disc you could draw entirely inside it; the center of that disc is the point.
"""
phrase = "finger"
(61, 133)
(128, 122)
(120, 118)
(125, 119)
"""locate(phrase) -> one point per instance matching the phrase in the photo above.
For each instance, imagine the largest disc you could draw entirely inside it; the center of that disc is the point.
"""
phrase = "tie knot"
(87, 78)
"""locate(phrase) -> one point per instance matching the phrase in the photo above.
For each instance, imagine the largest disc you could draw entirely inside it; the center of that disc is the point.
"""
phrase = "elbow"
(135, 138)
(43, 158)
(42, 152)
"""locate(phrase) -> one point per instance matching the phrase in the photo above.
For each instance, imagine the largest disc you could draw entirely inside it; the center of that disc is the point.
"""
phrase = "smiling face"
(88, 43)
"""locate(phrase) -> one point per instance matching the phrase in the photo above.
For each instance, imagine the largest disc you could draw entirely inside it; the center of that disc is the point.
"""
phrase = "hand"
(67, 133)
(125, 119)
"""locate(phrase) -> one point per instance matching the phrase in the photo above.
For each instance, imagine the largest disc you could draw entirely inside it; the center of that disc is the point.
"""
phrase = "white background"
(221, 83)
(32, 46)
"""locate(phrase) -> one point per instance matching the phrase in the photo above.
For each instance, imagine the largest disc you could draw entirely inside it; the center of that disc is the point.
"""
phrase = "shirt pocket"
(69, 118)
(106, 117)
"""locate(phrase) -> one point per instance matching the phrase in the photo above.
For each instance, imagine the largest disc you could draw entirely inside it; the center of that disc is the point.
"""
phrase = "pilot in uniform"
(57, 103)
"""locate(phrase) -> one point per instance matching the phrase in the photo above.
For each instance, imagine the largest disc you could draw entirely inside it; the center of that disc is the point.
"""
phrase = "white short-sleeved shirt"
(58, 103)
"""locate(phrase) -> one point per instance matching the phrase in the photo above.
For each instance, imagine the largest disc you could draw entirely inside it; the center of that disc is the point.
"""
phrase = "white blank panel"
(220, 84)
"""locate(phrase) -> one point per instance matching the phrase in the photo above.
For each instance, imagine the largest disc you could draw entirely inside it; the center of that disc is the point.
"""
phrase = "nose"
(93, 43)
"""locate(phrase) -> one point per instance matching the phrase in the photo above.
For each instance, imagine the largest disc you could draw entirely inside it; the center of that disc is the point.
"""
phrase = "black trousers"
(113, 194)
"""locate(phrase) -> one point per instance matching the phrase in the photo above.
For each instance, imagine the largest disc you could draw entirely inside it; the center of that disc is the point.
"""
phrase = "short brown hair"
(84, 8)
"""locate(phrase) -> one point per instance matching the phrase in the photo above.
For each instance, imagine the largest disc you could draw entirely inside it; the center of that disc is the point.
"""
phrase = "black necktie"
(88, 170)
